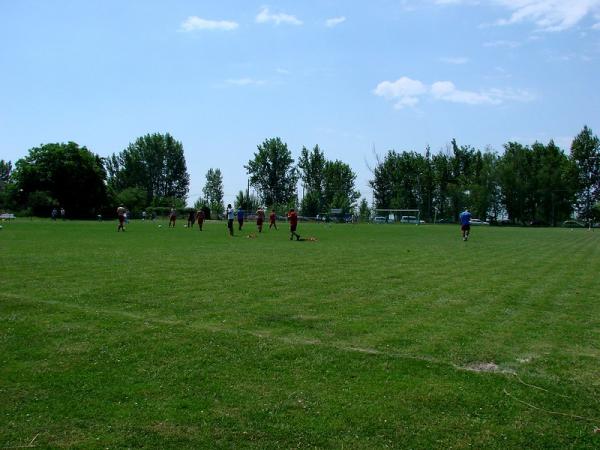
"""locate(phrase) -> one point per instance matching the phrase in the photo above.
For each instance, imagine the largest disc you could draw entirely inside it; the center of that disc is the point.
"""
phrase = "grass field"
(373, 336)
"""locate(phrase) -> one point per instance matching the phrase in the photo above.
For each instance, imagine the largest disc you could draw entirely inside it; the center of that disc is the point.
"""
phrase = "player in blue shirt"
(465, 223)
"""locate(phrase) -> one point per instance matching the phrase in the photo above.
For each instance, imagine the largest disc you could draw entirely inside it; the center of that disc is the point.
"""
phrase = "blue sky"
(351, 76)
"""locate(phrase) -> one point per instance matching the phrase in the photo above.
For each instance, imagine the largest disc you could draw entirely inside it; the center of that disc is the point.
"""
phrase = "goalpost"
(396, 215)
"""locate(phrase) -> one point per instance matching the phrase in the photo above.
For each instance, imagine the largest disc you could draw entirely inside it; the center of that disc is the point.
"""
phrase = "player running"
(260, 218)
(293, 219)
(465, 223)
(230, 215)
(272, 219)
(191, 219)
(200, 218)
(121, 214)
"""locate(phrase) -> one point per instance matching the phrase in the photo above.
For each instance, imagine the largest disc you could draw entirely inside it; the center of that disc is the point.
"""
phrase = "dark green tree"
(554, 187)
(272, 173)
(339, 186)
(364, 211)
(5, 192)
(66, 174)
(516, 179)
(246, 201)
(585, 153)
(155, 163)
(312, 166)
(133, 198)
(213, 192)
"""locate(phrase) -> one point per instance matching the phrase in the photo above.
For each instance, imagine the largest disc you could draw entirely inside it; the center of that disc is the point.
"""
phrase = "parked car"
(572, 224)
(478, 222)
(379, 219)
(409, 219)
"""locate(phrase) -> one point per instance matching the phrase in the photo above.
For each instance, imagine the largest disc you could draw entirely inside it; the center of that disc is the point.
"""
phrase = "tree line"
(525, 184)
(537, 184)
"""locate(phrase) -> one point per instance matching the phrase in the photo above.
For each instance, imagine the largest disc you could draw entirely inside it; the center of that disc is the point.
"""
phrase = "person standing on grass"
(121, 214)
(465, 223)
(240, 218)
(200, 218)
(260, 218)
(293, 220)
(172, 217)
(54, 214)
(272, 219)
(230, 215)
(63, 213)
(191, 218)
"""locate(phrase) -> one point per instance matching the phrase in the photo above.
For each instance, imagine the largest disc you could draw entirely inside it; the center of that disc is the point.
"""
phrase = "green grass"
(172, 338)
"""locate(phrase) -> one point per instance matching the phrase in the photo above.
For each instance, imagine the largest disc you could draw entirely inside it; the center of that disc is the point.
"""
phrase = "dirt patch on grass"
(481, 366)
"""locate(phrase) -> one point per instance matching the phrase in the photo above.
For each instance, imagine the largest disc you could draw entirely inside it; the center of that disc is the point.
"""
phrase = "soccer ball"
(160, 226)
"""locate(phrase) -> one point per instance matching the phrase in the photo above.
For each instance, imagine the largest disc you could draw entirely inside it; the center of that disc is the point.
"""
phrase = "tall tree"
(339, 190)
(64, 174)
(364, 211)
(272, 173)
(516, 177)
(154, 162)
(585, 153)
(246, 201)
(5, 170)
(554, 187)
(311, 166)
(213, 191)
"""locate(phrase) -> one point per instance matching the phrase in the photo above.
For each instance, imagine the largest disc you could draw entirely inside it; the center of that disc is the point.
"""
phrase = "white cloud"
(446, 90)
(245, 82)
(194, 23)
(501, 43)
(455, 60)
(407, 92)
(334, 21)
(549, 15)
(264, 16)
(596, 26)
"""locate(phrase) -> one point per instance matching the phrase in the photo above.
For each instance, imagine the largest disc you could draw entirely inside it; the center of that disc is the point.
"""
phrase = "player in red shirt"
(121, 213)
(293, 220)
(260, 218)
(200, 218)
(272, 218)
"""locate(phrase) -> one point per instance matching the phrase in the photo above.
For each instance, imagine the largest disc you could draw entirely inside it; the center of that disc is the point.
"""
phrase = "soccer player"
(240, 218)
(121, 213)
(465, 223)
(200, 218)
(272, 218)
(260, 218)
(172, 217)
(230, 215)
(191, 219)
(293, 220)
